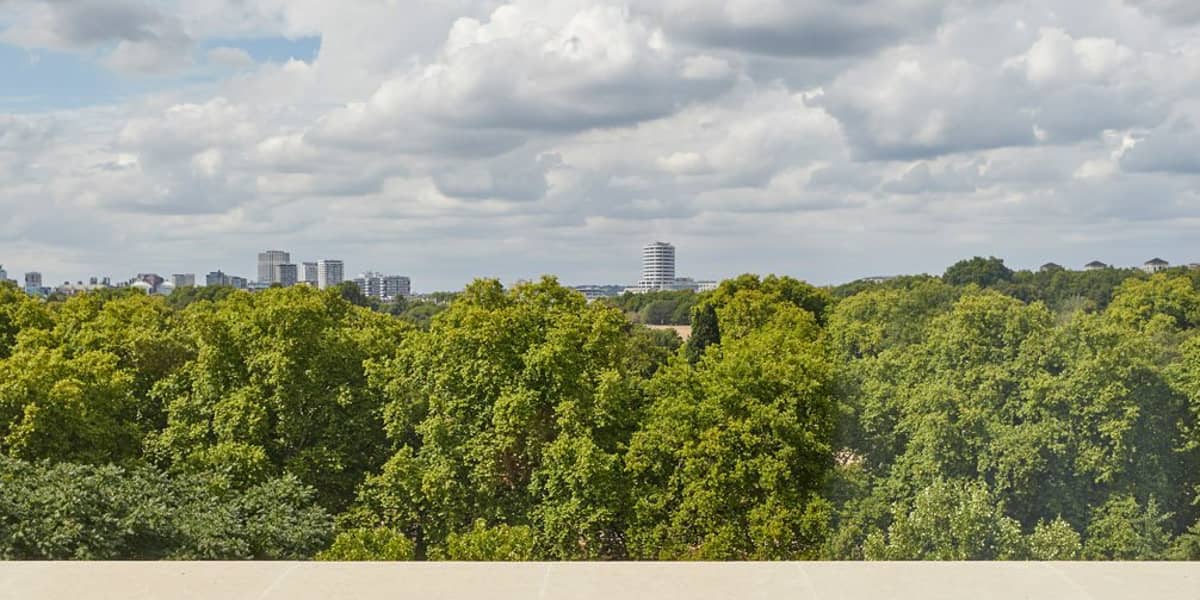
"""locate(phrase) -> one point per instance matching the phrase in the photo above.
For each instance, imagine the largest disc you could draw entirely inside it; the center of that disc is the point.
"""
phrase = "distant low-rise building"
(1095, 265)
(1155, 265)
(596, 292)
(383, 287)
(1050, 267)
(876, 279)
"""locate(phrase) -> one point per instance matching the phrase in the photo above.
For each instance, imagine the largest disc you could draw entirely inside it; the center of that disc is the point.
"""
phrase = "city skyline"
(658, 272)
(512, 138)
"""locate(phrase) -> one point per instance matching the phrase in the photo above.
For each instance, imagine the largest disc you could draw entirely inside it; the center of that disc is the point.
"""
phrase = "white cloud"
(144, 38)
(554, 136)
(230, 57)
(798, 27)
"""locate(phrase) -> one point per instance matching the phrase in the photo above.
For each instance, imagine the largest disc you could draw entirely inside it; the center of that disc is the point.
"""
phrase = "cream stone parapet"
(598, 581)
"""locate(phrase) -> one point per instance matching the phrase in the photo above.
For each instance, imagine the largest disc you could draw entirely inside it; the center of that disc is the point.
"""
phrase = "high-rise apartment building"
(288, 274)
(370, 284)
(33, 282)
(3, 274)
(330, 273)
(308, 273)
(395, 286)
(268, 265)
(180, 280)
(658, 267)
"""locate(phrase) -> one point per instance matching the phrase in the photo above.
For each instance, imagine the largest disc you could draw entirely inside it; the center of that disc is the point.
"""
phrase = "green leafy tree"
(728, 461)
(500, 543)
(496, 412)
(66, 511)
(1054, 540)
(950, 520)
(67, 409)
(378, 544)
(1124, 529)
(278, 384)
(980, 271)
(707, 328)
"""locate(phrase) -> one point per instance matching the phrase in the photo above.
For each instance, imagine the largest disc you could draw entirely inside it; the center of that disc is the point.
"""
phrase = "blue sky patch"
(275, 49)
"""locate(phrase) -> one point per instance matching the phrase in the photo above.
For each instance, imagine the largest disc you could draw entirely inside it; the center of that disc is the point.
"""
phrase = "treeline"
(657, 308)
(921, 418)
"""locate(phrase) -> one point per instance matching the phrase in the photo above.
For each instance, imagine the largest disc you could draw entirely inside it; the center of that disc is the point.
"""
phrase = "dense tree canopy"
(986, 414)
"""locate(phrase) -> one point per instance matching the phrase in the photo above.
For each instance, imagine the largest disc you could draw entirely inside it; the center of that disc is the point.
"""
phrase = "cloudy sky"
(449, 139)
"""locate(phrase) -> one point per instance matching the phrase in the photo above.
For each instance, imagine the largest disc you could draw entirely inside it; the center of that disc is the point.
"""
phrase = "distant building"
(308, 273)
(153, 279)
(1155, 265)
(396, 286)
(596, 292)
(383, 287)
(239, 282)
(268, 265)
(1095, 265)
(330, 273)
(180, 280)
(1048, 267)
(876, 279)
(370, 284)
(33, 284)
(287, 274)
(658, 267)
(3, 274)
(690, 285)
(216, 278)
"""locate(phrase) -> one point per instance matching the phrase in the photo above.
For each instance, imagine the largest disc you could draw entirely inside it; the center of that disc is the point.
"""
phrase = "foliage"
(728, 462)
(1122, 529)
(980, 271)
(499, 543)
(515, 408)
(657, 308)
(378, 544)
(278, 385)
(186, 296)
(706, 326)
(65, 511)
(950, 520)
(987, 414)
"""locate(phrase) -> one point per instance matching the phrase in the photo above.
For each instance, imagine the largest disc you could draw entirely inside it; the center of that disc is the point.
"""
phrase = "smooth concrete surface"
(607, 581)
